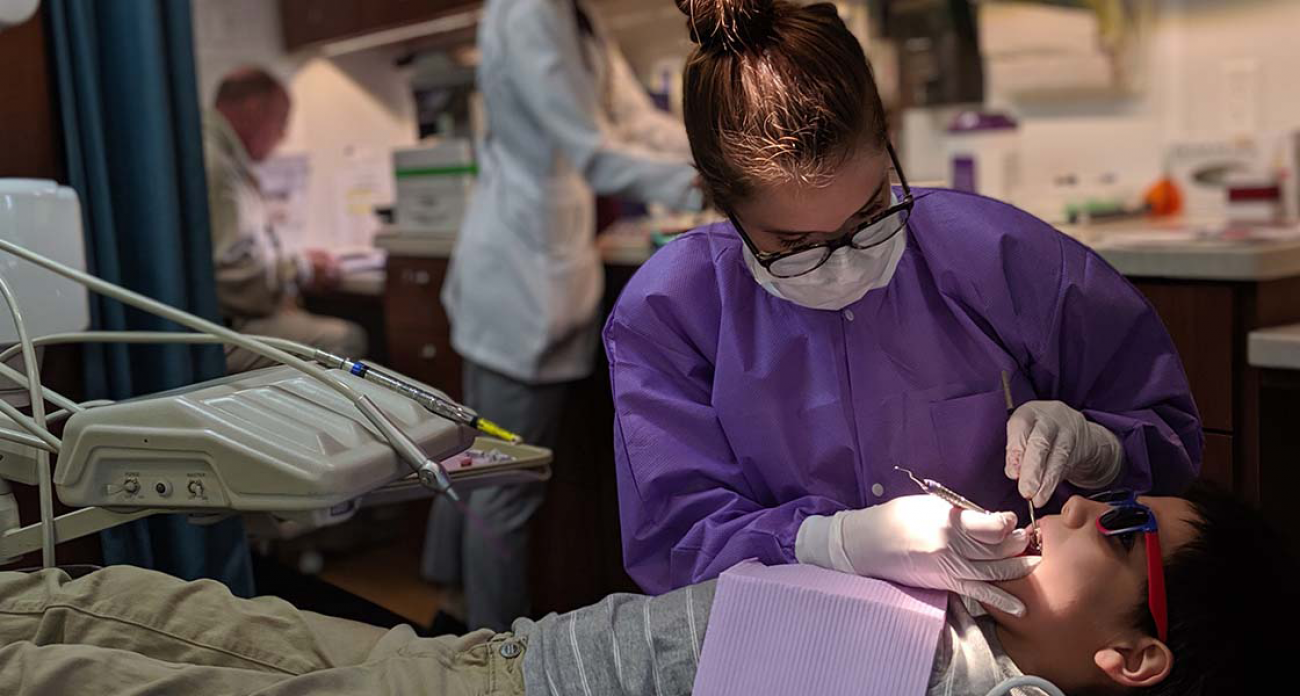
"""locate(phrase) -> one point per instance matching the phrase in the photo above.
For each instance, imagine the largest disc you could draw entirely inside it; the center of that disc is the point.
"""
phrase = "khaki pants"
(125, 631)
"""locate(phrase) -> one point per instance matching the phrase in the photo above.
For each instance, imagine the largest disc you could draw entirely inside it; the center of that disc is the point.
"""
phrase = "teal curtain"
(130, 109)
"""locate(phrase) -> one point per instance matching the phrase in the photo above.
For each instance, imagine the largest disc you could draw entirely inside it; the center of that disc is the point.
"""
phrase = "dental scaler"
(938, 490)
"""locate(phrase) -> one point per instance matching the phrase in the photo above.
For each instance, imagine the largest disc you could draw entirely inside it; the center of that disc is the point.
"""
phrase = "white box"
(1036, 53)
(43, 217)
(434, 183)
(1202, 169)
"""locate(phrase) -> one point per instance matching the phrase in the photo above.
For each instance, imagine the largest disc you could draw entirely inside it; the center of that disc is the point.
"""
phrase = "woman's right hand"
(922, 541)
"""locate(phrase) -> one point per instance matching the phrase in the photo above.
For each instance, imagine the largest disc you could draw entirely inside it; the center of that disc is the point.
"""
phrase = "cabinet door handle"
(428, 351)
(418, 277)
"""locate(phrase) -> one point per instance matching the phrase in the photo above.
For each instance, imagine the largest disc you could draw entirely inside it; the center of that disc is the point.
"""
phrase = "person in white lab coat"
(257, 281)
(566, 120)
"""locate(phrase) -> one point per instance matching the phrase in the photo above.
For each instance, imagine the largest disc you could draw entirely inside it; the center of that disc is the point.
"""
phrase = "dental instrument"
(938, 490)
(1036, 535)
(440, 405)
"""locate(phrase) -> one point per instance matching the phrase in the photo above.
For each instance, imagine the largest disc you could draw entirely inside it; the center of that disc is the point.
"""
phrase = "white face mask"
(846, 277)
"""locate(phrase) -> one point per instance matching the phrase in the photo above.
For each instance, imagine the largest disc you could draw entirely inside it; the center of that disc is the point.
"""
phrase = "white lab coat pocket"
(574, 276)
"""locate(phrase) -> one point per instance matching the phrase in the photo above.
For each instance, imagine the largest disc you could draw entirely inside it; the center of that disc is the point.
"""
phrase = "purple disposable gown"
(740, 414)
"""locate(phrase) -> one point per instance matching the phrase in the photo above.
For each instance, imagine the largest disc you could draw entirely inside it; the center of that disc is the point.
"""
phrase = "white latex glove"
(922, 541)
(1049, 442)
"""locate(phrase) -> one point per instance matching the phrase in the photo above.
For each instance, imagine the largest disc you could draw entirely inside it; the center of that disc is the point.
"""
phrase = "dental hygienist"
(768, 374)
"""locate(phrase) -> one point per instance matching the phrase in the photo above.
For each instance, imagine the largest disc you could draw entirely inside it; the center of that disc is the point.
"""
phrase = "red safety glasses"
(1125, 520)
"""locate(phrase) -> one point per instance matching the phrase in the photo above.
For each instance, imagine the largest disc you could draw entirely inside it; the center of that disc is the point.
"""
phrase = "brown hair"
(248, 82)
(775, 93)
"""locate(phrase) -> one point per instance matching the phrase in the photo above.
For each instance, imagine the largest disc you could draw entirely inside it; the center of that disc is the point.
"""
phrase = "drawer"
(418, 330)
(411, 279)
(412, 295)
(429, 360)
(414, 317)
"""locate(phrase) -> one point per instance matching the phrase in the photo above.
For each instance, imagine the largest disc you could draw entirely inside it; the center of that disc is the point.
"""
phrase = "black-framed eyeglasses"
(877, 230)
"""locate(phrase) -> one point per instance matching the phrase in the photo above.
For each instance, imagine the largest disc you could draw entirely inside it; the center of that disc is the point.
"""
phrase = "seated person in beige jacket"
(1089, 628)
(257, 282)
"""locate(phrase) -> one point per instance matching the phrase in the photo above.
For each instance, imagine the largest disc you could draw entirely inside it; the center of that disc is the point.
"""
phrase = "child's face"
(1080, 598)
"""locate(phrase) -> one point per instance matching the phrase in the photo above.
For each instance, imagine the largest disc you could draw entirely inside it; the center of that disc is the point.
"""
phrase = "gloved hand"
(923, 541)
(1049, 442)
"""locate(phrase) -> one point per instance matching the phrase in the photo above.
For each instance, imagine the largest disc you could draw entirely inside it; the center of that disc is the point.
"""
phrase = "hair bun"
(729, 25)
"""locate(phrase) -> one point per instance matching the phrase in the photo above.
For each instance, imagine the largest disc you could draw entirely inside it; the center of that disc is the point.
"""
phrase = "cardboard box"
(434, 183)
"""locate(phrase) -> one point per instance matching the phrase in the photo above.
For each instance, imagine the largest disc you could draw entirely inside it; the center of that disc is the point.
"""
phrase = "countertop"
(1140, 248)
(1277, 348)
(1192, 251)
(626, 243)
(399, 241)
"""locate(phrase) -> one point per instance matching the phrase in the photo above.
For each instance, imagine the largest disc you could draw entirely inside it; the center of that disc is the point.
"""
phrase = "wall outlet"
(1241, 97)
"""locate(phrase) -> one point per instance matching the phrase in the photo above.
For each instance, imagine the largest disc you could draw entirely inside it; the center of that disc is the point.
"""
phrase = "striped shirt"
(650, 646)
(626, 644)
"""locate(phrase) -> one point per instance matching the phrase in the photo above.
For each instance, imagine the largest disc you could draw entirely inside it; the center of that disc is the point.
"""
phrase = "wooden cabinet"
(307, 22)
(390, 13)
(1279, 475)
(30, 138)
(418, 332)
(1209, 322)
(1199, 318)
(1217, 465)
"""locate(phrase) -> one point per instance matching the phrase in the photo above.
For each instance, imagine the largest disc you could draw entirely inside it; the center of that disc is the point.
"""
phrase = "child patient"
(1091, 626)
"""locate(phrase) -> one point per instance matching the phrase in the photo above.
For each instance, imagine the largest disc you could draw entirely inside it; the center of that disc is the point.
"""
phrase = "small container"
(984, 149)
(1255, 200)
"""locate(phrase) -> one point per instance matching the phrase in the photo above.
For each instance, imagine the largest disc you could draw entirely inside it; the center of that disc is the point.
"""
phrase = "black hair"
(1232, 598)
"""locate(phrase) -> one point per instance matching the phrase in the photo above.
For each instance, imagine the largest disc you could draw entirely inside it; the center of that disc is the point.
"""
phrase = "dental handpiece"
(446, 408)
(938, 490)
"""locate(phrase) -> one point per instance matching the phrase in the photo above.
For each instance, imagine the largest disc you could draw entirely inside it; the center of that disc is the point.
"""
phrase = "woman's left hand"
(1049, 442)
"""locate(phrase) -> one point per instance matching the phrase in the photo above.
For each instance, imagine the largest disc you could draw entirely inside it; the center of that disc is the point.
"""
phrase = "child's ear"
(1140, 662)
